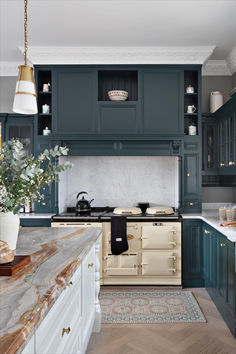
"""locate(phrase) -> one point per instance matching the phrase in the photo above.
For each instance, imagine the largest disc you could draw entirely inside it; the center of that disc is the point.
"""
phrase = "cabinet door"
(22, 129)
(191, 174)
(163, 101)
(73, 102)
(193, 253)
(222, 268)
(210, 147)
(88, 296)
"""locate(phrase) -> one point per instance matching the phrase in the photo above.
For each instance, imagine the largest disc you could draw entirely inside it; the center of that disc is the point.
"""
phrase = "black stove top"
(101, 214)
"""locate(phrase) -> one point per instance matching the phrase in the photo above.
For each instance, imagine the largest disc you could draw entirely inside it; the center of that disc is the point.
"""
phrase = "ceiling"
(115, 23)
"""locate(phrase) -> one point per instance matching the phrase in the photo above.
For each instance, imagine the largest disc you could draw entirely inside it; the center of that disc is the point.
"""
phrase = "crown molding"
(216, 68)
(119, 55)
(9, 68)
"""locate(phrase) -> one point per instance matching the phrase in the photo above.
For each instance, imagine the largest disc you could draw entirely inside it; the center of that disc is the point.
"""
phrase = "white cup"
(45, 108)
(191, 109)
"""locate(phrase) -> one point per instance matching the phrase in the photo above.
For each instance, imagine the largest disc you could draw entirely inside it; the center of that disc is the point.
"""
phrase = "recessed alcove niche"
(121, 180)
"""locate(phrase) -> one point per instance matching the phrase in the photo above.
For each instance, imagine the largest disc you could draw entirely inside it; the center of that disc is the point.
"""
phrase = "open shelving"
(191, 99)
(44, 97)
(126, 80)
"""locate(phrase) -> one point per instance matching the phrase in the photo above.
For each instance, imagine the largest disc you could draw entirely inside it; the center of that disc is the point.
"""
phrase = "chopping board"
(11, 268)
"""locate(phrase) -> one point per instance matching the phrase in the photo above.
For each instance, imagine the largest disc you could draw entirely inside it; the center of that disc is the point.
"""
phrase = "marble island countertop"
(27, 296)
(210, 216)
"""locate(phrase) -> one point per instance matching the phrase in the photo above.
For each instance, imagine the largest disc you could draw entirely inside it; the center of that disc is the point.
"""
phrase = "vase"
(9, 228)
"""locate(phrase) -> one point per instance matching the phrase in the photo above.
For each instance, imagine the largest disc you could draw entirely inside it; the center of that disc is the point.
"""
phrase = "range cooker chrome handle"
(172, 257)
(172, 270)
(172, 243)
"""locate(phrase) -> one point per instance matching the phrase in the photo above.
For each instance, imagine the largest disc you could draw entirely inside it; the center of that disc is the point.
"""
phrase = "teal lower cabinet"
(219, 273)
(35, 222)
(192, 250)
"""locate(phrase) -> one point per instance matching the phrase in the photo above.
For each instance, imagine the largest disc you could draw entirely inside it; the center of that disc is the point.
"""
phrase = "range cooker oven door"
(124, 264)
(158, 263)
(161, 237)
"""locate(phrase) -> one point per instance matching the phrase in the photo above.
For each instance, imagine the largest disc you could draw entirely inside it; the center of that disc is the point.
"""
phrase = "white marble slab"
(35, 216)
(210, 216)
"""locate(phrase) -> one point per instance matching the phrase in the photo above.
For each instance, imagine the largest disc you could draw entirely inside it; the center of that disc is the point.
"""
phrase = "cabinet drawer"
(158, 263)
(161, 237)
(65, 313)
(124, 264)
(119, 118)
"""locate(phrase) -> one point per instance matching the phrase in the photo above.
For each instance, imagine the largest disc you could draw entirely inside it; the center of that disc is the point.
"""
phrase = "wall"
(219, 194)
(7, 91)
(120, 181)
(215, 83)
(234, 80)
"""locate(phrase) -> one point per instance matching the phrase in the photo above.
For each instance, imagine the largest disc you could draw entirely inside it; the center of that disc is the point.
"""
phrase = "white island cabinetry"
(68, 325)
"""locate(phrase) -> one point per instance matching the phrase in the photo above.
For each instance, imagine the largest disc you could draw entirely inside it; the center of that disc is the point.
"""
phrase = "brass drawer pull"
(65, 330)
(43, 203)
(191, 203)
(69, 284)
(188, 174)
(90, 265)
(222, 245)
(207, 232)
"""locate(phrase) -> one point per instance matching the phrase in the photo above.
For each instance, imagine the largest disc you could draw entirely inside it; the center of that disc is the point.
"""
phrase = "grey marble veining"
(121, 181)
(27, 296)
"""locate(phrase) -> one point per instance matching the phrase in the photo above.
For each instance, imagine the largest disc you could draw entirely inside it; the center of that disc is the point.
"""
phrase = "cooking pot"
(83, 206)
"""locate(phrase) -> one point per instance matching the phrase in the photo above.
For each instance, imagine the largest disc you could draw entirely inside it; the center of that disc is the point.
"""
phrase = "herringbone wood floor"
(212, 337)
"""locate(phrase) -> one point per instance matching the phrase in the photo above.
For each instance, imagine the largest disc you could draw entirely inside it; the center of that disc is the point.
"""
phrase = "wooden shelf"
(191, 94)
(45, 114)
(191, 114)
(45, 92)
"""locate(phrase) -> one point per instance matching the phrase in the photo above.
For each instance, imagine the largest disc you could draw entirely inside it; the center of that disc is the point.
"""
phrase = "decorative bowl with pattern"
(117, 95)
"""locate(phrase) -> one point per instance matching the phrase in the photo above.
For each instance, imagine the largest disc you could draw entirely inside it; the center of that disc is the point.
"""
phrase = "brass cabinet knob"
(222, 164)
(231, 163)
(90, 265)
(222, 245)
(191, 203)
(65, 330)
(207, 232)
(43, 203)
(69, 284)
(188, 174)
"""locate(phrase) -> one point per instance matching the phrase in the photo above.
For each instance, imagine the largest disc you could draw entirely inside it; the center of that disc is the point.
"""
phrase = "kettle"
(83, 206)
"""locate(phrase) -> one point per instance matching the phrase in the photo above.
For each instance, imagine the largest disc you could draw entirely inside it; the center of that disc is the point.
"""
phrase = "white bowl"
(117, 95)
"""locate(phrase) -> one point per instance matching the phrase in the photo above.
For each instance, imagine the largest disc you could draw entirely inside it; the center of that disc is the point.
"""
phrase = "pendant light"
(25, 95)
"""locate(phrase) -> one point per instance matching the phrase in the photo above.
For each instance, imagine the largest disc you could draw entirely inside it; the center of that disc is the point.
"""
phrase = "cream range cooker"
(154, 239)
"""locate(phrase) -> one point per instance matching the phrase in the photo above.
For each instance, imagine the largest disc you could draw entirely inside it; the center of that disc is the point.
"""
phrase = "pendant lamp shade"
(25, 95)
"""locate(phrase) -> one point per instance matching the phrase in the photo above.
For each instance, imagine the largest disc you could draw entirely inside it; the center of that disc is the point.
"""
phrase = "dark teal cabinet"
(49, 204)
(73, 101)
(35, 222)
(20, 127)
(163, 102)
(210, 155)
(192, 253)
(191, 175)
(219, 273)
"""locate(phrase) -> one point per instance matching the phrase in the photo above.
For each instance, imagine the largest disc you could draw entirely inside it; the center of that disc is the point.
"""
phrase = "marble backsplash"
(120, 181)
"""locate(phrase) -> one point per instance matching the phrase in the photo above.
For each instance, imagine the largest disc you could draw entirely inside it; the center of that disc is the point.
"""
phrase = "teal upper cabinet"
(226, 118)
(74, 98)
(163, 101)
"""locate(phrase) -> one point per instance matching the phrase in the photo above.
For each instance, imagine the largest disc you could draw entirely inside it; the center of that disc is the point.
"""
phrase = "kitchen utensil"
(191, 109)
(45, 108)
(127, 211)
(230, 214)
(143, 206)
(216, 101)
(190, 89)
(192, 129)
(83, 206)
(159, 210)
(117, 95)
(222, 214)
